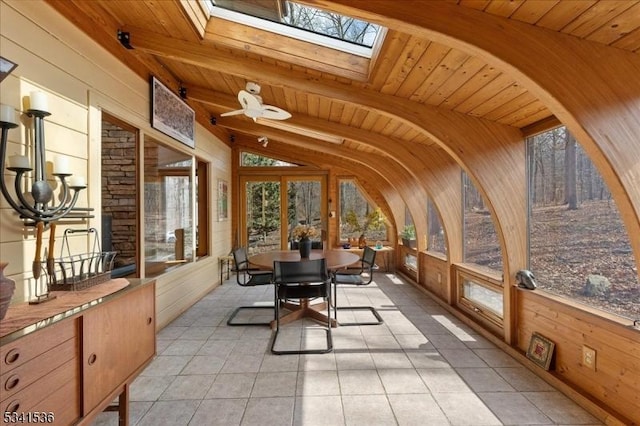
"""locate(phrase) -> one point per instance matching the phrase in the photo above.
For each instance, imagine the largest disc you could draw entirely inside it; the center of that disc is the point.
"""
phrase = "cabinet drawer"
(25, 349)
(41, 395)
(22, 376)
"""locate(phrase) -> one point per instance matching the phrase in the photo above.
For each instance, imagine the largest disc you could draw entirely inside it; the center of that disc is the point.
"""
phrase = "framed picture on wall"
(6, 66)
(540, 350)
(171, 115)
(223, 200)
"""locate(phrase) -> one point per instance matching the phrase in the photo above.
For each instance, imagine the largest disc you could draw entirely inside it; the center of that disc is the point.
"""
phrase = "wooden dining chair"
(247, 276)
(360, 276)
(300, 280)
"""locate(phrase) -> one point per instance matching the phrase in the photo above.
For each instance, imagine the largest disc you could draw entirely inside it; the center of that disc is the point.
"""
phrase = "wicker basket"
(81, 271)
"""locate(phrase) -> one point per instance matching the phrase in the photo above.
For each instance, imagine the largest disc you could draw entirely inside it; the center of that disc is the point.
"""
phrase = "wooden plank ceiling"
(169, 45)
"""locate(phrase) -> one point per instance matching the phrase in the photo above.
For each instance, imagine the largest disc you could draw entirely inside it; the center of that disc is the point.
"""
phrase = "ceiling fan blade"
(248, 101)
(274, 113)
(236, 112)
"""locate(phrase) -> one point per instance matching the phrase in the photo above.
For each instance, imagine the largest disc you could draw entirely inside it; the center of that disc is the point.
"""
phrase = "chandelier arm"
(3, 186)
(73, 202)
(25, 206)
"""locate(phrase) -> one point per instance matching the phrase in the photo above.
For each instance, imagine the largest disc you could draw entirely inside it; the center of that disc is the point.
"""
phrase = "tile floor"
(422, 367)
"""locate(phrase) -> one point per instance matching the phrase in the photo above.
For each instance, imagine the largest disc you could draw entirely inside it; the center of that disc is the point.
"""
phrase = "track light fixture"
(213, 120)
(232, 138)
(182, 91)
(125, 39)
(264, 141)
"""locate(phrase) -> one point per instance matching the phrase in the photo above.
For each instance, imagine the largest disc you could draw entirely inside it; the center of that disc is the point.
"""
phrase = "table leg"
(304, 309)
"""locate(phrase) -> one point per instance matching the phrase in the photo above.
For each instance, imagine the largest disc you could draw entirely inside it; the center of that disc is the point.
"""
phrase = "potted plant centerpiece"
(304, 234)
(408, 236)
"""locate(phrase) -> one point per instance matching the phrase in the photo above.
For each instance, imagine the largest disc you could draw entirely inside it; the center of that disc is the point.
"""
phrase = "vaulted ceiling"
(214, 59)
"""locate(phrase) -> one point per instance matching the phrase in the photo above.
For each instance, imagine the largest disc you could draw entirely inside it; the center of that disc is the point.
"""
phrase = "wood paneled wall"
(616, 379)
(81, 80)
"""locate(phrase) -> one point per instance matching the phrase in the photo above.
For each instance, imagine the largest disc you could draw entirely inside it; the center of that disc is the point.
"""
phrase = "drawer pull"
(13, 406)
(149, 321)
(92, 359)
(12, 382)
(12, 356)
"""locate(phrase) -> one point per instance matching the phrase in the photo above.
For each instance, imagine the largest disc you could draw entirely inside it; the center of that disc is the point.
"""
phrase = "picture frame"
(6, 67)
(171, 115)
(540, 350)
(223, 200)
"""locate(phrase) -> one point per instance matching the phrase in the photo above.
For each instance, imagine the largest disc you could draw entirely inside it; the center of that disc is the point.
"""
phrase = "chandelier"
(41, 207)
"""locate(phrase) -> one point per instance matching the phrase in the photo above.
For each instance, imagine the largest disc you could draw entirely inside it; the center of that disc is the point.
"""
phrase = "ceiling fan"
(253, 107)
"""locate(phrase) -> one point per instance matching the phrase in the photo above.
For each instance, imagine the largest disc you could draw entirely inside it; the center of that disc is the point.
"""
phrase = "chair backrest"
(305, 271)
(369, 256)
(240, 259)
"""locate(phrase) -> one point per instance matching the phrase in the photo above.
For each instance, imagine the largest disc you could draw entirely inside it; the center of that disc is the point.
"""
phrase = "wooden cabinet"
(75, 363)
(118, 338)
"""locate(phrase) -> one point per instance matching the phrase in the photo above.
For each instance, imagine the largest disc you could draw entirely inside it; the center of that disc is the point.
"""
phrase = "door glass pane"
(263, 216)
(303, 206)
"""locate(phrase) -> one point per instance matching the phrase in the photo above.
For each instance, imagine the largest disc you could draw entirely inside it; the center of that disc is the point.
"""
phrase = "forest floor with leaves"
(569, 245)
(566, 247)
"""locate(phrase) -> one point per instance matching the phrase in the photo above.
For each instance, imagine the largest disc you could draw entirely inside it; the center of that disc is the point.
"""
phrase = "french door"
(271, 206)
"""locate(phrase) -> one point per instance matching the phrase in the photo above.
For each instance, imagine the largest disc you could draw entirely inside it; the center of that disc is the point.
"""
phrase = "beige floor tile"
(465, 409)
(315, 383)
(513, 408)
(219, 412)
(318, 411)
(282, 383)
(417, 410)
(402, 381)
(188, 387)
(484, 380)
(269, 411)
(232, 386)
(360, 382)
(169, 413)
(367, 410)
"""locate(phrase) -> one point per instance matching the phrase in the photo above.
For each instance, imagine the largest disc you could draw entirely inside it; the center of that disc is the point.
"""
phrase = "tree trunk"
(570, 172)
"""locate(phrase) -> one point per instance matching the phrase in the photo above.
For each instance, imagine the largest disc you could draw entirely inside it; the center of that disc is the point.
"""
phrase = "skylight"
(301, 22)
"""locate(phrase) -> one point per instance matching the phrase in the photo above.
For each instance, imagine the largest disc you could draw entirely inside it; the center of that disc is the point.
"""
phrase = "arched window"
(578, 245)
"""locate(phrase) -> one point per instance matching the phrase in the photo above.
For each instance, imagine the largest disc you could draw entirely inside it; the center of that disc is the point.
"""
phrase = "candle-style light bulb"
(7, 114)
(38, 101)
(61, 165)
(19, 162)
(77, 182)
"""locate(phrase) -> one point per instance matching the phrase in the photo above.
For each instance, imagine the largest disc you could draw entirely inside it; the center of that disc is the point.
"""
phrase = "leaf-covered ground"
(566, 247)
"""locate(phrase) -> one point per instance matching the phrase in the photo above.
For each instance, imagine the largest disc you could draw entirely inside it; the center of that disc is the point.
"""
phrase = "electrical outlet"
(589, 357)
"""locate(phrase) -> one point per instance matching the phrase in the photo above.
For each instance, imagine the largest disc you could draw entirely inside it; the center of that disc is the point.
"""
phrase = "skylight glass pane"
(302, 22)
(331, 24)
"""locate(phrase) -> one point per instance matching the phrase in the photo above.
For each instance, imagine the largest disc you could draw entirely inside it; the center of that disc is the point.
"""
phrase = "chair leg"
(373, 310)
(304, 351)
(360, 308)
(237, 311)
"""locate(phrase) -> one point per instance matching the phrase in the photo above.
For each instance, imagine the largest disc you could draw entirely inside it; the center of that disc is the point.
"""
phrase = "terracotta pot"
(7, 287)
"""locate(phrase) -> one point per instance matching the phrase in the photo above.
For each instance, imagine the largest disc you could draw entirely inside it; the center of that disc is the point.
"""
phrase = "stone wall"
(119, 190)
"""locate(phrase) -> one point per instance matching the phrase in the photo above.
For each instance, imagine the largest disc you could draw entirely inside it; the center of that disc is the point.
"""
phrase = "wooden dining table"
(335, 259)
